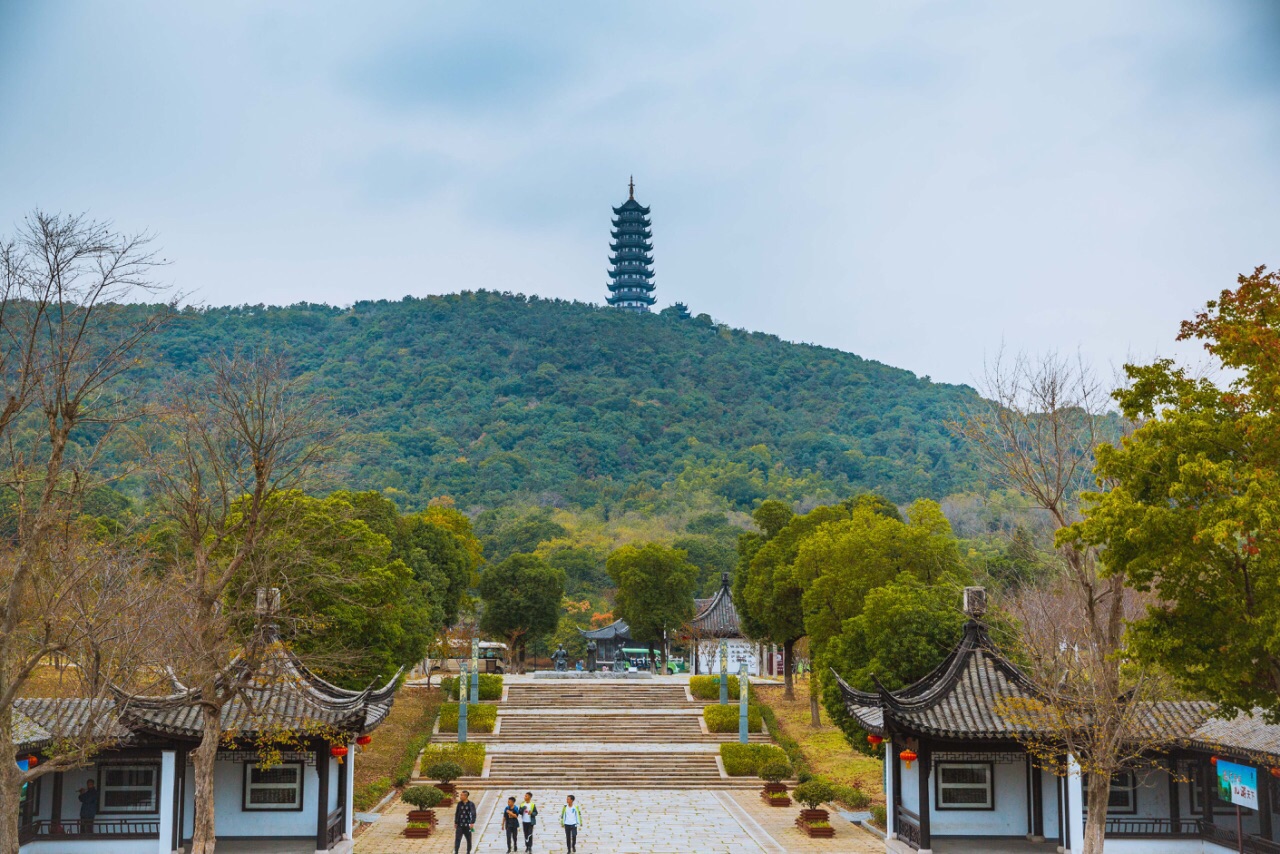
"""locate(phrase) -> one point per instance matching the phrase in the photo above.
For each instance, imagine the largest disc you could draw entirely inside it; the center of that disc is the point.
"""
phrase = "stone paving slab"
(620, 821)
(494, 747)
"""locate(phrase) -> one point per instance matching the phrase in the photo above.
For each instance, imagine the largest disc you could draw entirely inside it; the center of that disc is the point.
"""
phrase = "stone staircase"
(607, 734)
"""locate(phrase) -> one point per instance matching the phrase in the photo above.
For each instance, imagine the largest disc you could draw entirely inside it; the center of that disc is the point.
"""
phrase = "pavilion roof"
(618, 629)
(281, 693)
(717, 617)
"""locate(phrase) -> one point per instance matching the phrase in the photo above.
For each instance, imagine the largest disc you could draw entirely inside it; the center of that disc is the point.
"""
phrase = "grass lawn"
(395, 744)
(825, 748)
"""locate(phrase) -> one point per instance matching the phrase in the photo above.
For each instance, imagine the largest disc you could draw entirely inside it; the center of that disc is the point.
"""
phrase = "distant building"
(632, 271)
(716, 619)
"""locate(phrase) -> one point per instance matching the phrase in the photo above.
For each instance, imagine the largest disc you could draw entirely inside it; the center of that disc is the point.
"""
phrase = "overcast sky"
(916, 182)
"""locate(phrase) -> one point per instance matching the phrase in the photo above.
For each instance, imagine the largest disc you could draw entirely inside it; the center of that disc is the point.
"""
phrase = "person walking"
(571, 821)
(528, 818)
(464, 821)
(88, 797)
(511, 825)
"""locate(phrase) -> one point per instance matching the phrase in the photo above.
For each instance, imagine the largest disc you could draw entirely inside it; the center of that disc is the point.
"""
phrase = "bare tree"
(233, 443)
(1037, 432)
(66, 340)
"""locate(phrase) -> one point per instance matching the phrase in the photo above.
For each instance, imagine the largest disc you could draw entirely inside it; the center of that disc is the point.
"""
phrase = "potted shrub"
(775, 791)
(423, 817)
(446, 773)
(814, 821)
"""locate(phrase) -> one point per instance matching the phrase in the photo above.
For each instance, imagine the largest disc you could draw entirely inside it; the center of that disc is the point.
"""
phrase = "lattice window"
(965, 785)
(128, 788)
(278, 787)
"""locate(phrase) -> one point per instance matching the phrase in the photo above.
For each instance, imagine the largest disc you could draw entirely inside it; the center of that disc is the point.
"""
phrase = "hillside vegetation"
(492, 398)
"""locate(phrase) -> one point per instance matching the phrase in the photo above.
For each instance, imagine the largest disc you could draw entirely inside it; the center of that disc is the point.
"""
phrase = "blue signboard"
(1238, 784)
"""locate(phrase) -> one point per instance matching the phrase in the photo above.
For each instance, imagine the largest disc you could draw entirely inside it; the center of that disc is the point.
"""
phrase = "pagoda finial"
(632, 187)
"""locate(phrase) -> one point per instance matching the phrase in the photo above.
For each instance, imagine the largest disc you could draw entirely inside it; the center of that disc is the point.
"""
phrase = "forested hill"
(485, 397)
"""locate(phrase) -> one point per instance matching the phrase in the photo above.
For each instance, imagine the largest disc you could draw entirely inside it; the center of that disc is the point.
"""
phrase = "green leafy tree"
(904, 629)
(655, 590)
(1194, 501)
(521, 597)
(771, 588)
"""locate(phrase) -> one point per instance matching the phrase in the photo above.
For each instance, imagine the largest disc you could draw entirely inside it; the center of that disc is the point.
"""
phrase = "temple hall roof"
(616, 629)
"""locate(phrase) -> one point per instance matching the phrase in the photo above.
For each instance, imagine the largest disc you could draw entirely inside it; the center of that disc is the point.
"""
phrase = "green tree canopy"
(1194, 510)
(655, 589)
(521, 597)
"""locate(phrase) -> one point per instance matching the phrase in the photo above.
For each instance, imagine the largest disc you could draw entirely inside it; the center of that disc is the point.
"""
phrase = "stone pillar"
(1075, 804)
(724, 673)
(475, 671)
(922, 777)
(346, 793)
(743, 680)
(168, 782)
(462, 705)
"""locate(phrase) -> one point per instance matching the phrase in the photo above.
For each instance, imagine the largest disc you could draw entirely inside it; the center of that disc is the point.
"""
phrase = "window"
(128, 788)
(1124, 793)
(276, 788)
(965, 785)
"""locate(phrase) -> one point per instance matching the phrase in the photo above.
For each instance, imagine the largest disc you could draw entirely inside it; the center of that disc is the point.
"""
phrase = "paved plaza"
(632, 822)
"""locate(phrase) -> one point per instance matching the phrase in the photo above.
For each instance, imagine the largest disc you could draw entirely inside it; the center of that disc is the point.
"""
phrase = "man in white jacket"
(571, 821)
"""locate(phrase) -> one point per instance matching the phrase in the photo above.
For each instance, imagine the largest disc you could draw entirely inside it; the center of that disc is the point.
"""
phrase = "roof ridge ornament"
(975, 602)
(631, 186)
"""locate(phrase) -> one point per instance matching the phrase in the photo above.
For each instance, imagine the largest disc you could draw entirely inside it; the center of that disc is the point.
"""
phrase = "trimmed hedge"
(480, 717)
(745, 760)
(469, 756)
(490, 686)
(422, 797)
(708, 688)
(795, 755)
(725, 718)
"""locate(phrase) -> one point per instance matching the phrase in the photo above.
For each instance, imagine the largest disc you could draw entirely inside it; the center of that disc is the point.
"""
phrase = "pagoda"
(632, 272)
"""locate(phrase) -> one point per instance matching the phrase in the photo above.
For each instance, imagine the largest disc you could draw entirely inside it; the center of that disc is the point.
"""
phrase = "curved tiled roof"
(280, 693)
(717, 617)
(616, 629)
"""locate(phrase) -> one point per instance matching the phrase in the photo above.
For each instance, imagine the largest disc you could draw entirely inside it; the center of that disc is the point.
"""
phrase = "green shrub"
(799, 764)
(445, 772)
(879, 816)
(490, 686)
(481, 717)
(814, 793)
(708, 688)
(744, 760)
(424, 797)
(774, 772)
(803, 776)
(725, 718)
(851, 796)
(469, 756)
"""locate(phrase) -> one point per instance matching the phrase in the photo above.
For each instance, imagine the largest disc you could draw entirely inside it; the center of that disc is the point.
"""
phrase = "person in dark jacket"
(88, 806)
(464, 821)
(511, 824)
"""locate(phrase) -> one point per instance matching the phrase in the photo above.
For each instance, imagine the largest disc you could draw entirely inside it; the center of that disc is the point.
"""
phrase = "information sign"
(1238, 784)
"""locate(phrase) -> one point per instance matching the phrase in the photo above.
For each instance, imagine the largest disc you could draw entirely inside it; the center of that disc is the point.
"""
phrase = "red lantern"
(364, 740)
(337, 752)
(1275, 772)
(908, 756)
(1213, 760)
(874, 740)
(32, 761)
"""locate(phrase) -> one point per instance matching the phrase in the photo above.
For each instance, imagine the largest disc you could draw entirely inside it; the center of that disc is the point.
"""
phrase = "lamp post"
(724, 672)
(475, 670)
(742, 702)
(462, 706)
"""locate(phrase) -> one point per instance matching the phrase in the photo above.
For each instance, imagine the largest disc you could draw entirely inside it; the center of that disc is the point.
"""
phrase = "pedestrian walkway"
(629, 822)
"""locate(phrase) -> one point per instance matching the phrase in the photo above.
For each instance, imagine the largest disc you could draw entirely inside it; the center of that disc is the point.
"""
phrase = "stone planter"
(808, 818)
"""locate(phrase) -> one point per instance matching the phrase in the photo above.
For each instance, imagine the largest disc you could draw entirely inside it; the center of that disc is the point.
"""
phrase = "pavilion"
(956, 773)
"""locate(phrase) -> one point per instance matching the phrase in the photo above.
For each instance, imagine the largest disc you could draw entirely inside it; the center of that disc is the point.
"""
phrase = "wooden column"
(342, 778)
(1175, 801)
(1265, 794)
(922, 778)
(1207, 774)
(55, 809)
(896, 797)
(179, 796)
(322, 792)
(1062, 816)
(1037, 800)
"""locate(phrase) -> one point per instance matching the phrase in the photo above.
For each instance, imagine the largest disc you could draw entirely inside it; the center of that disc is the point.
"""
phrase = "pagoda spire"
(631, 273)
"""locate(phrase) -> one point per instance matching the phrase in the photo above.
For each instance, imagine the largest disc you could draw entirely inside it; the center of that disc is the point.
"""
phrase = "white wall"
(739, 651)
(1009, 818)
(100, 846)
(231, 820)
(1049, 794)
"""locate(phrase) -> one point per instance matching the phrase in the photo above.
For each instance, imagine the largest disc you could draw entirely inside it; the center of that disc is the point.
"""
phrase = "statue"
(620, 662)
(591, 656)
(561, 658)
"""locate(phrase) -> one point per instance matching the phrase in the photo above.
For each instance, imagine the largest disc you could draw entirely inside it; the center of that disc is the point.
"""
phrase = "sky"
(920, 183)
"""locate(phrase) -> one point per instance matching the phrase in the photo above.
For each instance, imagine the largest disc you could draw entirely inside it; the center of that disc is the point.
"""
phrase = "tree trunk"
(1095, 827)
(522, 652)
(789, 692)
(653, 664)
(815, 717)
(203, 758)
(10, 788)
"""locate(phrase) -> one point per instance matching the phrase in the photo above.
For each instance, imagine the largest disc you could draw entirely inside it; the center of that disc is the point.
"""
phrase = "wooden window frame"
(103, 788)
(989, 806)
(248, 786)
